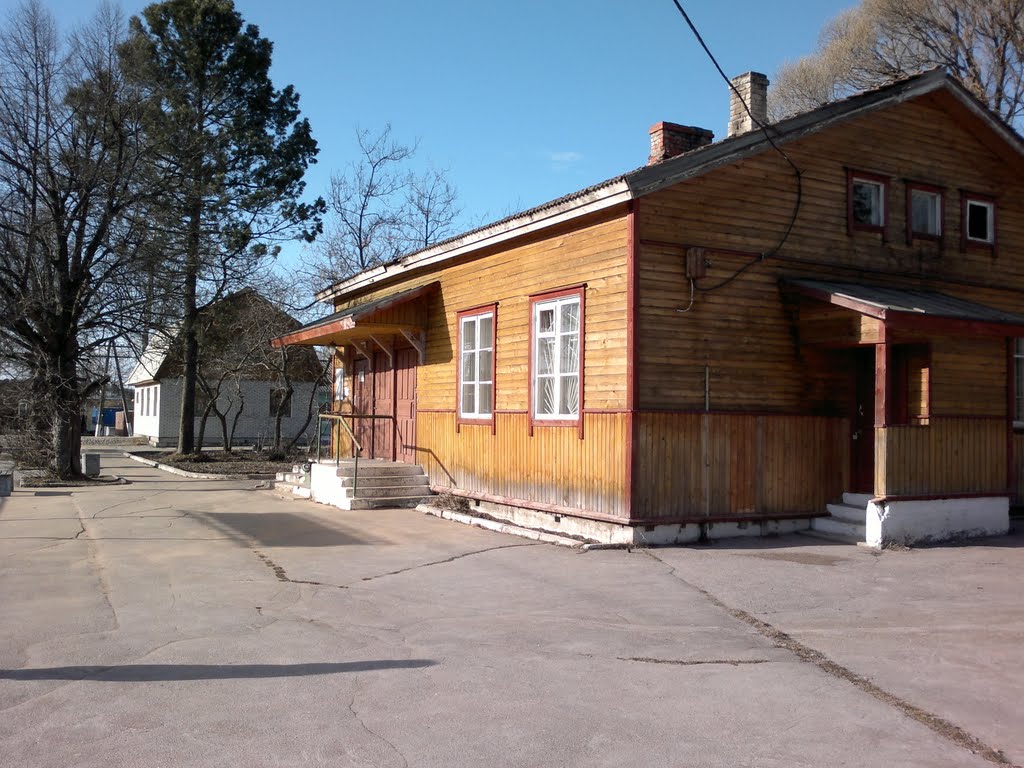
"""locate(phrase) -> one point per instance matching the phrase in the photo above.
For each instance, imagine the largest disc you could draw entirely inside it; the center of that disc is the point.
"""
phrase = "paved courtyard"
(175, 622)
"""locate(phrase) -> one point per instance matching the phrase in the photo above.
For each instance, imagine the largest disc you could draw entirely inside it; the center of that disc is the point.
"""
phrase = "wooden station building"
(726, 340)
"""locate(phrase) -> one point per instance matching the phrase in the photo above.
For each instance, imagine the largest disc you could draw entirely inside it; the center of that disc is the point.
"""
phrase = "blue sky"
(524, 101)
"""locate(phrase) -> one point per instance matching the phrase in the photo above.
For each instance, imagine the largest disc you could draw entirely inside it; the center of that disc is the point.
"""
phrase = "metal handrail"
(340, 418)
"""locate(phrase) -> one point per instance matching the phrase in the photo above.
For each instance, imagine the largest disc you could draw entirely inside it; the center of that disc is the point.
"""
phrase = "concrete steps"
(379, 485)
(846, 521)
(296, 481)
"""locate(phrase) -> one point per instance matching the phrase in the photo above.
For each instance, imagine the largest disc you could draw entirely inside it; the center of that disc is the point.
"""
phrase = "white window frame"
(881, 183)
(935, 207)
(561, 337)
(483, 408)
(990, 220)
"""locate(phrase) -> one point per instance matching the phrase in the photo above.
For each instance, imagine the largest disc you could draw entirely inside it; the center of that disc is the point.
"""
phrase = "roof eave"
(531, 221)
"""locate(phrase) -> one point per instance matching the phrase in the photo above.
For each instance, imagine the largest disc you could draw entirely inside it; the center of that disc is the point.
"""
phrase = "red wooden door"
(362, 403)
(862, 449)
(405, 404)
(383, 405)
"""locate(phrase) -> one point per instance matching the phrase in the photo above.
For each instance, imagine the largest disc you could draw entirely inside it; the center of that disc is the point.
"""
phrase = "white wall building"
(254, 391)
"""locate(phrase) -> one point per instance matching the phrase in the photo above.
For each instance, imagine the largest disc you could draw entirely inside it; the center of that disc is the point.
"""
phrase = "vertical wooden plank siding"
(951, 455)
(552, 467)
(1017, 491)
(738, 464)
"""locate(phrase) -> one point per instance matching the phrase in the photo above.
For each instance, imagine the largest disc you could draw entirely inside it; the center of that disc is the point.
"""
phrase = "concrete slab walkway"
(183, 622)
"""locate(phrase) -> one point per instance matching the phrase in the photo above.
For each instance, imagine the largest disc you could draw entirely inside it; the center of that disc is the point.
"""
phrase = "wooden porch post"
(883, 411)
(883, 398)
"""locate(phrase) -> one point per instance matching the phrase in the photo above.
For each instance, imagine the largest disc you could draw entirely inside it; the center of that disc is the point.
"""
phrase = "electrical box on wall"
(696, 265)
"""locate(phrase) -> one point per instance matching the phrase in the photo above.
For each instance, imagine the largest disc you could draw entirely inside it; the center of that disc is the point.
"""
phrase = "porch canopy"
(854, 313)
(399, 314)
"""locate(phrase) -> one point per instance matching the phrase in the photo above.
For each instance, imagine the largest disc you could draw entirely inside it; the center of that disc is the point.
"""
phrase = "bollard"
(6, 482)
(91, 464)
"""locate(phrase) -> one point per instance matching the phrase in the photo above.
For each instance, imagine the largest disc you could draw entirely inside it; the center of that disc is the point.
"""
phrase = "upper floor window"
(476, 364)
(557, 352)
(979, 220)
(924, 211)
(866, 201)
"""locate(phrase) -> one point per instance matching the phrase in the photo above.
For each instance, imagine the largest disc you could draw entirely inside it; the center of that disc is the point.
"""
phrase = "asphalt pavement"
(176, 622)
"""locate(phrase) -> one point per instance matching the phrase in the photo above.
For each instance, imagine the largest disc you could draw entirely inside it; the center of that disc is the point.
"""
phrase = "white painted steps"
(296, 481)
(846, 520)
(379, 484)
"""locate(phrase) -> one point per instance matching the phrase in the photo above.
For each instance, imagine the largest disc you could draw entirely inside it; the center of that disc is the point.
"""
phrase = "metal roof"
(908, 301)
(363, 310)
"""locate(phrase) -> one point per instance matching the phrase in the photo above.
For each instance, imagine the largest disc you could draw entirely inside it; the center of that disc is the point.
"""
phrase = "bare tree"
(235, 336)
(431, 208)
(73, 166)
(380, 210)
(980, 42)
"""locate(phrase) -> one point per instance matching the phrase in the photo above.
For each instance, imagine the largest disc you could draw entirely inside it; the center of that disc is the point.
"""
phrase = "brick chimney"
(753, 87)
(671, 139)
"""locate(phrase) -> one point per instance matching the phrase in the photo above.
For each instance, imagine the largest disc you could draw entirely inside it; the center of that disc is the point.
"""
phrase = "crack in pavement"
(365, 727)
(938, 725)
(95, 561)
(451, 559)
(282, 575)
(694, 663)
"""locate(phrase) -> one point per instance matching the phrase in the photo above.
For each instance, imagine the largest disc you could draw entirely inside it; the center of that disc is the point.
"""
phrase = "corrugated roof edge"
(651, 178)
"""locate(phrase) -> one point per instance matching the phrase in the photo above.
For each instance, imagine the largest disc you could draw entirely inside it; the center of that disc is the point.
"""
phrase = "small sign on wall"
(340, 382)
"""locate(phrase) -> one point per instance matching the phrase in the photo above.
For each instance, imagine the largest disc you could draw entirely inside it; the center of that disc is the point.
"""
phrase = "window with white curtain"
(476, 365)
(556, 358)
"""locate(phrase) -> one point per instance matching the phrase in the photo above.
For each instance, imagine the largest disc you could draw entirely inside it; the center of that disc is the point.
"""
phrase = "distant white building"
(248, 392)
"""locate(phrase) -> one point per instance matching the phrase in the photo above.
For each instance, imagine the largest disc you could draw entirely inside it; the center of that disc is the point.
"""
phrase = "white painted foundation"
(601, 532)
(897, 523)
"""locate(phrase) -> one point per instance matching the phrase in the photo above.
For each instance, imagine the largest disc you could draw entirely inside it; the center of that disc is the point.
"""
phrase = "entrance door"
(405, 404)
(362, 403)
(862, 448)
(383, 405)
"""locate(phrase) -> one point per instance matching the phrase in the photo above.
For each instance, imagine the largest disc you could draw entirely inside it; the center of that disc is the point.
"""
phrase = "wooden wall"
(554, 466)
(594, 254)
(948, 456)
(1017, 469)
(743, 329)
(692, 464)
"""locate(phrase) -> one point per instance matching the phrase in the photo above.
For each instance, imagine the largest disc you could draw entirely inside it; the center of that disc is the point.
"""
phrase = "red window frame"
(483, 309)
(913, 234)
(851, 225)
(538, 298)
(967, 242)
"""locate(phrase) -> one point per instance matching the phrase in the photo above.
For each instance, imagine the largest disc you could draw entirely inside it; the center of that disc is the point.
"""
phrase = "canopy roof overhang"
(369, 321)
(881, 310)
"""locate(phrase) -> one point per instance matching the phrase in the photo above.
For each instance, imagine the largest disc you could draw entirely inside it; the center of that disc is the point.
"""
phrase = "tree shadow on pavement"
(280, 529)
(148, 673)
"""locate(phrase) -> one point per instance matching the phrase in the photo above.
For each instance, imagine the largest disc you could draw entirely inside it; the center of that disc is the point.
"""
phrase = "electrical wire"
(764, 129)
(693, 286)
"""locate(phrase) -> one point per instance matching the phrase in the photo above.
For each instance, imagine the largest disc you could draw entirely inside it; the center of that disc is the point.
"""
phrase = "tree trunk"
(63, 413)
(189, 335)
(201, 436)
(279, 415)
(224, 435)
